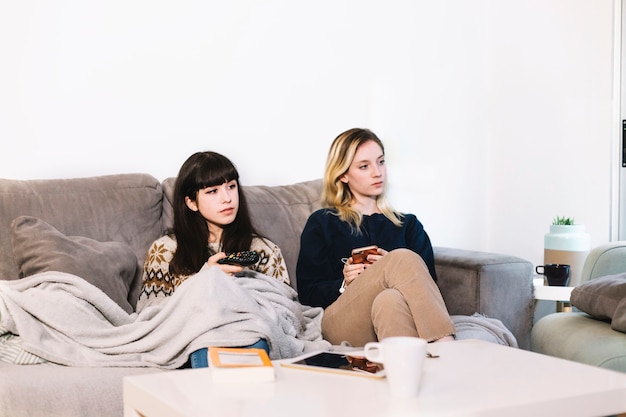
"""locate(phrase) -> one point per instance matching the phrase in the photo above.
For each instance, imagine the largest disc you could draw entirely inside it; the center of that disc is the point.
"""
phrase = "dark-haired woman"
(211, 219)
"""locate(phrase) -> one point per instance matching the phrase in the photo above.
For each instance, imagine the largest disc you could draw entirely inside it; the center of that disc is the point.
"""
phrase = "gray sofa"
(588, 336)
(136, 209)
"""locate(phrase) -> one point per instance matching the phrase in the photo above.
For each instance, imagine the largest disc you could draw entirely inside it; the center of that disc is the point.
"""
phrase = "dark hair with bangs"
(199, 171)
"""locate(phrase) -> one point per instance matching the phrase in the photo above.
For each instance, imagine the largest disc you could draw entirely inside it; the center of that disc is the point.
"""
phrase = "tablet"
(348, 363)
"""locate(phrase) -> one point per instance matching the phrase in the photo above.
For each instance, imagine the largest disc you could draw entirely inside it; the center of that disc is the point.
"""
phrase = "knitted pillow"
(39, 247)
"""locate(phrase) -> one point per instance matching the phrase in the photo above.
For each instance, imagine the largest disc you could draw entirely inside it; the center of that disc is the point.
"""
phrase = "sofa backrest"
(136, 209)
(124, 208)
(278, 212)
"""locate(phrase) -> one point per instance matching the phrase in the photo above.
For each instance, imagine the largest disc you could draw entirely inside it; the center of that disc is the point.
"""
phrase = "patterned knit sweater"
(158, 283)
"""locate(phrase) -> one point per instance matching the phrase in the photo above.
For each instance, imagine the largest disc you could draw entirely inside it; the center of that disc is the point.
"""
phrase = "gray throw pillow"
(39, 247)
(603, 298)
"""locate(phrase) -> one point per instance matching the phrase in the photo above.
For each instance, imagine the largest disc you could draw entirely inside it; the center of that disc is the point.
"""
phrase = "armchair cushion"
(603, 298)
(578, 337)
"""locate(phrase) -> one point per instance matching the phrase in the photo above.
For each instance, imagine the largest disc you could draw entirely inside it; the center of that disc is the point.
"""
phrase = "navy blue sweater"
(326, 239)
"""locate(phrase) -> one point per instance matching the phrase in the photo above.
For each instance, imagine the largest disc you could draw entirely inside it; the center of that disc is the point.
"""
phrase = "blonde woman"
(393, 290)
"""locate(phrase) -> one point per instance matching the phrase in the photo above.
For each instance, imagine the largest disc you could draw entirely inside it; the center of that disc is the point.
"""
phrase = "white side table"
(559, 294)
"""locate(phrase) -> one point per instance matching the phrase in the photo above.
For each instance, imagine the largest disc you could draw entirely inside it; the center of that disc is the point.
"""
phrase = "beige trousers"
(395, 296)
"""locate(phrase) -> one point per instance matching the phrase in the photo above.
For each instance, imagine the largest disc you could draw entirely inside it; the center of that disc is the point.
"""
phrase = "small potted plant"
(566, 225)
(563, 221)
(567, 243)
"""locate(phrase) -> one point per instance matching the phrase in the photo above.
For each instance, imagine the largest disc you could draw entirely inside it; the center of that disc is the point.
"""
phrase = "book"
(351, 363)
(240, 365)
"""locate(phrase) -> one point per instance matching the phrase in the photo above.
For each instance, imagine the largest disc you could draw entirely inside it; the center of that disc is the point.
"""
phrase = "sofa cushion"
(603, 298)
(123, 208)
(63, 390)
(39, 247)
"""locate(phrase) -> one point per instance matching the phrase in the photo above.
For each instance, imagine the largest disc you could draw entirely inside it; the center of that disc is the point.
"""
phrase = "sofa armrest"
(497, 286)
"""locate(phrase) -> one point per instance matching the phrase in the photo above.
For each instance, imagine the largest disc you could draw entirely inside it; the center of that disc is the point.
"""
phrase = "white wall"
(496, 114)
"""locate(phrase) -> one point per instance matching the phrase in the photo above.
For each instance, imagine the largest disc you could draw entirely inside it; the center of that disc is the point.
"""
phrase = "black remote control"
(243, 258)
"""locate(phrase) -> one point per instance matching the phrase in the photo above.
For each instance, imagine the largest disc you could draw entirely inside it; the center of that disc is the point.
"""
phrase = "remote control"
(243, 258)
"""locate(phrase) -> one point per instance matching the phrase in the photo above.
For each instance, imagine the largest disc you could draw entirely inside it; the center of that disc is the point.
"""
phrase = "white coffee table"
(470, 378)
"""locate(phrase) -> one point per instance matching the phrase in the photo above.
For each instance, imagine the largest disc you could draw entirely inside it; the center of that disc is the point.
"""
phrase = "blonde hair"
(335, 193)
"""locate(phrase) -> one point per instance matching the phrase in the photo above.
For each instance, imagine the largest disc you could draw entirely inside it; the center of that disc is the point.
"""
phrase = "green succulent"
(564, 221)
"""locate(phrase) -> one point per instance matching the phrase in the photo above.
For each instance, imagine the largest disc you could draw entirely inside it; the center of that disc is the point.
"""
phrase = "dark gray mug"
(556, 274)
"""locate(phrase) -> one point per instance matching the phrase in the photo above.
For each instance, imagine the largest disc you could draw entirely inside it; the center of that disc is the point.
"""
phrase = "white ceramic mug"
(403, 358)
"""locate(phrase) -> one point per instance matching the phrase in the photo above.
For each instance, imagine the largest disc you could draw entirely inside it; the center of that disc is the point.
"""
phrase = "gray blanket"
(483, 328)
(64, 319)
